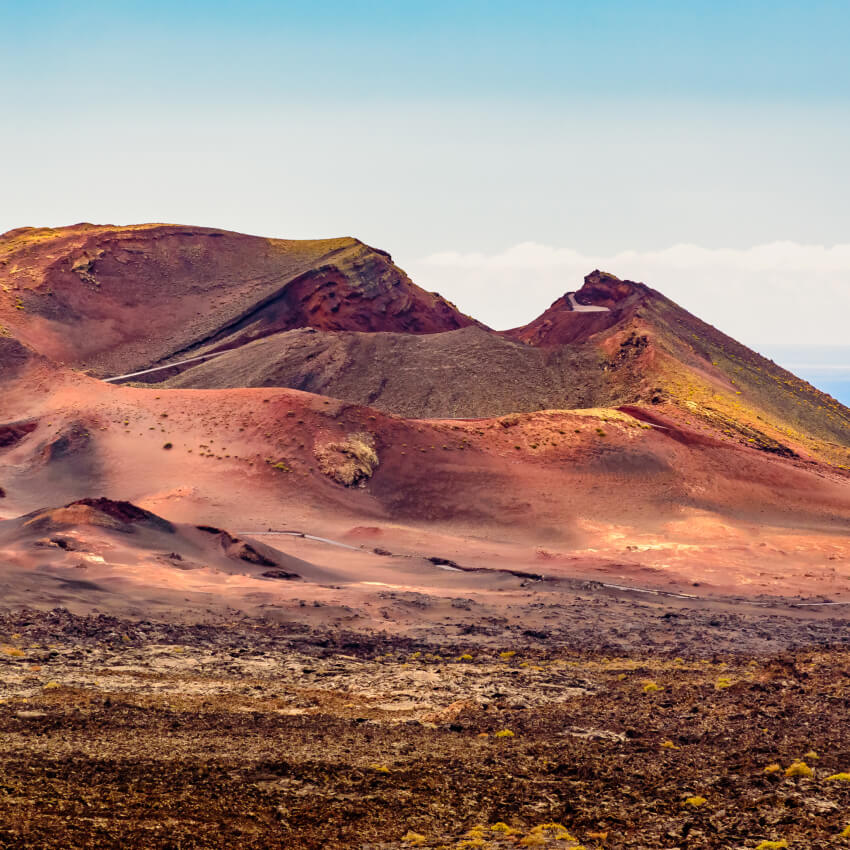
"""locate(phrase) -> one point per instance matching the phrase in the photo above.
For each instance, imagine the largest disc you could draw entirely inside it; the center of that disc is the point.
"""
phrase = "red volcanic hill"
(52, 534)
(338, 318)
(114, 556)
(117, 299)
(325, 392)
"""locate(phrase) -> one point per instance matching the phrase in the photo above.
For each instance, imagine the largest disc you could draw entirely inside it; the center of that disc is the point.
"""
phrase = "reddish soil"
(686, 485)
(595, 494)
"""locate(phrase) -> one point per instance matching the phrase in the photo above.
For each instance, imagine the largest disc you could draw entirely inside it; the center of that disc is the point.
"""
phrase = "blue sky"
(613, 130)
(467, 48)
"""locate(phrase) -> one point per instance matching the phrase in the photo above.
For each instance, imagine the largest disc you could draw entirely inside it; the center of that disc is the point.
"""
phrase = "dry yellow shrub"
(799, 768)
(349, 462)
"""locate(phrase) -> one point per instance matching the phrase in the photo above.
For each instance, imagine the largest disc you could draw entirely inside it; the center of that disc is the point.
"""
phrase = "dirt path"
(585, 308)
(160, 368)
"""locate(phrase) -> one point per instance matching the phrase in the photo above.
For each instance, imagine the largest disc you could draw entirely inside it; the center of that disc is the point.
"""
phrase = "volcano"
(309, 394)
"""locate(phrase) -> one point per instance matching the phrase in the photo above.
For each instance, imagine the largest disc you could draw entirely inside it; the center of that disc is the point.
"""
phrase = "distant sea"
(826, 367)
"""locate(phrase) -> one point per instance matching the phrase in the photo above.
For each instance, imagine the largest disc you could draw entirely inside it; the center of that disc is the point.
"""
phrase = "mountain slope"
(684, 458)
(565, 493)
(465, 373)
(118, 299)
(663, 354)
(612, 343)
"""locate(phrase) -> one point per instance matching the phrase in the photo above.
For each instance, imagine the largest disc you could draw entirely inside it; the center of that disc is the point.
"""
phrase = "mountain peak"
(576, 316)
(603, 289)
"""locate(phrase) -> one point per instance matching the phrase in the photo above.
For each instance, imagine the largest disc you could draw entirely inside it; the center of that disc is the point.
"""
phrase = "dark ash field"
(256, 735)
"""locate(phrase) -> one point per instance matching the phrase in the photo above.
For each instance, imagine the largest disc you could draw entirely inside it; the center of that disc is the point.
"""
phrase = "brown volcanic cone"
(554, 362)
(118, 299)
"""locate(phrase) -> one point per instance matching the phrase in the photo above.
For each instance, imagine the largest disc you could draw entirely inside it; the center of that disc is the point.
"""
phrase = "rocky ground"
(249, 734)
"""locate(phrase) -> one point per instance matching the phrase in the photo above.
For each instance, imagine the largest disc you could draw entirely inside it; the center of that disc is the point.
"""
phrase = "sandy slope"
(560, 494)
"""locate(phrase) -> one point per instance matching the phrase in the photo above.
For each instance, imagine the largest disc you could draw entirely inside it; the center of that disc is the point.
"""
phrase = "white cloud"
(776, 293)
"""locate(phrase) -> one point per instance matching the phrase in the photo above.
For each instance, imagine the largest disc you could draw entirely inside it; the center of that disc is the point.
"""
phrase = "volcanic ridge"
(308, 393)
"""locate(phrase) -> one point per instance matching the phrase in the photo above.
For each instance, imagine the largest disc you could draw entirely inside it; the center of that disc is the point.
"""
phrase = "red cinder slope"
(553, 492)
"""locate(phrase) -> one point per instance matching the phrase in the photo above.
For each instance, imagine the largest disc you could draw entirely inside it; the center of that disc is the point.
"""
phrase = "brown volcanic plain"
(349, 464)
